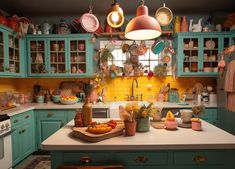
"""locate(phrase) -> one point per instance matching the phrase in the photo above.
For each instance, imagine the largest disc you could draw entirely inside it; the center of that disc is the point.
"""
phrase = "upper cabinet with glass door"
(60, 55)
(198, 54)
(11, 53)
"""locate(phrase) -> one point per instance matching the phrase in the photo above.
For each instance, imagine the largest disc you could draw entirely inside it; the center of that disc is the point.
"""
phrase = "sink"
(123, 103)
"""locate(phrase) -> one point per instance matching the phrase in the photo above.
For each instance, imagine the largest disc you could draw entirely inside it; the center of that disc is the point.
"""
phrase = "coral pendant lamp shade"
(143, 26)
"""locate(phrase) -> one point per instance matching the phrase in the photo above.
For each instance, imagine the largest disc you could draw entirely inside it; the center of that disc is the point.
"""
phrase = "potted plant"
(127, 114)
(142, 117)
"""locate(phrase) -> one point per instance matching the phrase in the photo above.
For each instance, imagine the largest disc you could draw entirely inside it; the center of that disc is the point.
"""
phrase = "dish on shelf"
(210, 44)
(207, 69)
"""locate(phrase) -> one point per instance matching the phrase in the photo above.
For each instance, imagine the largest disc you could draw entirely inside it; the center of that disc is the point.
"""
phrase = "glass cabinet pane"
(14, 54)
(190, 50)
(37, 54)
(57, 56)
(78, 56)
(1, 53)
(210, 55)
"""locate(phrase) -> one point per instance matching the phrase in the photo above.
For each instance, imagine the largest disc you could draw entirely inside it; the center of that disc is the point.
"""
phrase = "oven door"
(5, 151)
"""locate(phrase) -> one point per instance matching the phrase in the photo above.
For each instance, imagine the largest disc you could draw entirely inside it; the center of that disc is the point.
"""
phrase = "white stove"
(5, 142)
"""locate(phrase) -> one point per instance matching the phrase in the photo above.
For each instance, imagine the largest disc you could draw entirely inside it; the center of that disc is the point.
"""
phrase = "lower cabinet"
(148, 159)
(48, 122)
(23, 136)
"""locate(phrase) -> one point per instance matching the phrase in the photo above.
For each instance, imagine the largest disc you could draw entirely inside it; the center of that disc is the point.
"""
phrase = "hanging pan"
(158, 46)
(89, 21)
(164, 15)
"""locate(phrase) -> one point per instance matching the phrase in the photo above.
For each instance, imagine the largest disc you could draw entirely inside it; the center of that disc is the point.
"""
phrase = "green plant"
(198, 110)
(146, 111)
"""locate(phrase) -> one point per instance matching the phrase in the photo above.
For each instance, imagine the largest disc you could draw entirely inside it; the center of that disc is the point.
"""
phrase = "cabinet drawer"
(27, 116)
(16, 120)
(199, 158)
(142, 158)
(51, 114)
(87, 158)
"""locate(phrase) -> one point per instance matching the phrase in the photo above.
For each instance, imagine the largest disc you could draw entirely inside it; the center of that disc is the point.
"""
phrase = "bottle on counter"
(87, 112)
(78, 118)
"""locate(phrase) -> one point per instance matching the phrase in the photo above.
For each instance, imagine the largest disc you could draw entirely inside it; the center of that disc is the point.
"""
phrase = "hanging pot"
(89, 21)
(125, 47)
(158, 46)
(142, 49)
(133, 49)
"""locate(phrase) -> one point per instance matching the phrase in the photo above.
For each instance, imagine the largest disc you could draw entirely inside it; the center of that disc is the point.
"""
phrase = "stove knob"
(2, 126)
(7, 125)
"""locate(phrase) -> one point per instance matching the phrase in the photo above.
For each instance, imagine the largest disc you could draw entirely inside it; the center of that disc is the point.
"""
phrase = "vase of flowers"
(127, 114)
(142, 117)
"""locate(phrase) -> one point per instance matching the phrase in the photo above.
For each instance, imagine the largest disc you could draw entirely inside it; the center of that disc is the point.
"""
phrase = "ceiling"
(77, 7)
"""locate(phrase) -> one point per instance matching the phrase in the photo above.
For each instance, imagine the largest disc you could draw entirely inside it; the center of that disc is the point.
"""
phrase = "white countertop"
(113, 106)
(210, 137)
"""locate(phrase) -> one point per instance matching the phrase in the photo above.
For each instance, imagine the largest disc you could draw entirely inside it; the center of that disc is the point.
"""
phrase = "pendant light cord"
(91, 6)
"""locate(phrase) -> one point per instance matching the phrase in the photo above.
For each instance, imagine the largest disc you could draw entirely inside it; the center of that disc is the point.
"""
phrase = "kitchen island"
(158, 148)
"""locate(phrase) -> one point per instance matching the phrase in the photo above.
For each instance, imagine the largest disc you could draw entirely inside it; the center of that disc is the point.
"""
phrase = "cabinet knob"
(200, 159)
(20, 132)
(15, 121)
(85, 160)
(27, 116)
(49, 114)
(141, 159)
(23, 130)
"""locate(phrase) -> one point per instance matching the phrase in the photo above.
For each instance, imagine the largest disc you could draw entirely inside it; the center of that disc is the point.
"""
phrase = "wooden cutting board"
(80, 132)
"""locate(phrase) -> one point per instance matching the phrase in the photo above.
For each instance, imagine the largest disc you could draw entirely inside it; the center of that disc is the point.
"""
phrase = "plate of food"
(68, 99)
(98, 131)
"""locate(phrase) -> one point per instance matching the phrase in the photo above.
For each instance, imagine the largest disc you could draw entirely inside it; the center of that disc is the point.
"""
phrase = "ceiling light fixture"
(143, 26)
(115, 16)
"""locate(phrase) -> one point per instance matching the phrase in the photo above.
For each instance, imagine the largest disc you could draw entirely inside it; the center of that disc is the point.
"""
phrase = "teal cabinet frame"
(190, 58)
(23, 136)
(67, 55)
(12, 52)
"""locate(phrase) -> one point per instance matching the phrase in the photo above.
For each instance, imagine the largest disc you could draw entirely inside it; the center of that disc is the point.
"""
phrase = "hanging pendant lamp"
(115, 16)
(143, 26)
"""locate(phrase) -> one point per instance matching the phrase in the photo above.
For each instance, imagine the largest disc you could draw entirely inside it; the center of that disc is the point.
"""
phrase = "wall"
(7, 84)
(118, 87)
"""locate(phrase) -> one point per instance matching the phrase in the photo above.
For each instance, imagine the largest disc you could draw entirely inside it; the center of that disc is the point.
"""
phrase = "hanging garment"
(229, 86)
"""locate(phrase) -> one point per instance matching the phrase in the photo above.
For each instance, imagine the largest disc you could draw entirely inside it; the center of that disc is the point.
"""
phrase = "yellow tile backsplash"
(118, 87)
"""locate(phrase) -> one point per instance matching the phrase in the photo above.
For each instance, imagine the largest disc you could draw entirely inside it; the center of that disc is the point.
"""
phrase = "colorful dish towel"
(229, 86)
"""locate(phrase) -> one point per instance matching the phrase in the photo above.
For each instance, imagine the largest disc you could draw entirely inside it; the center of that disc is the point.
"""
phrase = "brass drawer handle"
(49, 114)
(15, 121)
(27, 116)
(141, 159)
(85, 160)
(200, 159)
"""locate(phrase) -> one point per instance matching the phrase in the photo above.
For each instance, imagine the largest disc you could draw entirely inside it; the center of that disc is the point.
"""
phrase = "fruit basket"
(68, 99)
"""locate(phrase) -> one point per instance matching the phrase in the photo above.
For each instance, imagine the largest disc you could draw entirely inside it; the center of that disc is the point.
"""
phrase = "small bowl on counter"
(68, 100)
(40, 99)
(56, 98)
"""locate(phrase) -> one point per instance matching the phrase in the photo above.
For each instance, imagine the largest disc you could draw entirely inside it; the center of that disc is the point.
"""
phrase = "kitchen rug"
(40, 163)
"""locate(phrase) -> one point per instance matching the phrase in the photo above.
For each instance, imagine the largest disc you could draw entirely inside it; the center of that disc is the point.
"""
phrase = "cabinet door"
(3, 41)
(16, 153)
(49, 127)
(80, 56)
(26, 140)
(210, 115)
(37, 57)
(58, 57)
(71, 115)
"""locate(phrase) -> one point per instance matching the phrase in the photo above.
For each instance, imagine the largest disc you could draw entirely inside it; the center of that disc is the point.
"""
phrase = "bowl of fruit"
(68, 99)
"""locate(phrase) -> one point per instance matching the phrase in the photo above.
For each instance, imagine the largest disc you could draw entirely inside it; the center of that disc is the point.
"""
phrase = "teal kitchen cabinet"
(60, 55)
(147, 159)
(23, 136)
(198, 53)
(12, 52)
(48, 122)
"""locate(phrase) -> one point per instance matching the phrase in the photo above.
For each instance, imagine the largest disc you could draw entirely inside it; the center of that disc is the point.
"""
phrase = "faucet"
(132, 97)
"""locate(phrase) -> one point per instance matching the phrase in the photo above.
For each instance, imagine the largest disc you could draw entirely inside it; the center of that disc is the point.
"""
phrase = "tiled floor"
(41, 165)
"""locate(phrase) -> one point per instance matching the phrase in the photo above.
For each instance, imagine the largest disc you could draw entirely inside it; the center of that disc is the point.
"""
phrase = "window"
(149, 59)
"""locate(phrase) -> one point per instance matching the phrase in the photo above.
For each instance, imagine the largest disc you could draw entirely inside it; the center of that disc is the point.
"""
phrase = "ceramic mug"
(186, 115)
